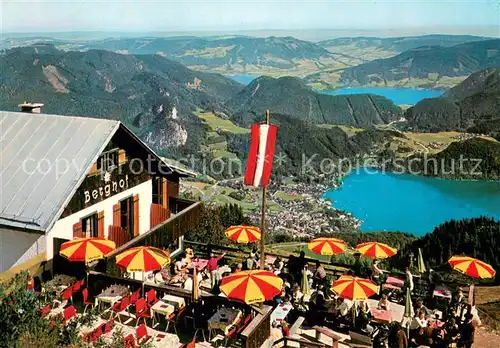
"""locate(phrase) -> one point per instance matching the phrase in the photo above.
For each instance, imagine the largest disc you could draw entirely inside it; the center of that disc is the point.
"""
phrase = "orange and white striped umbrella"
(251, 286)
(327, 246)
(354, 288)
(243, 234)
(376, 250)
(86, 249)
(143, 258)
(472, 267)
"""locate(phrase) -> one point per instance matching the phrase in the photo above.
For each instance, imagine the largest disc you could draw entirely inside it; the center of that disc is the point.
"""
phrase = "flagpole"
(263, 218)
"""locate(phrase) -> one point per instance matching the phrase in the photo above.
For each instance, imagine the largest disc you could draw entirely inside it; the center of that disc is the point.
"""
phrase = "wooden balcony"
(118, 235)
(163, 235)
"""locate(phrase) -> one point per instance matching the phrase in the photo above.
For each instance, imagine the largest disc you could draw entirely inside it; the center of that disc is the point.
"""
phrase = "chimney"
(34, 108)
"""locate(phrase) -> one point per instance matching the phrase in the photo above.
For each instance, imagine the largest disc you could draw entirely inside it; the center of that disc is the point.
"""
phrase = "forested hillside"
(476, 237)
(473, 102)
(426, 62)
(152, 95)
(291, 96)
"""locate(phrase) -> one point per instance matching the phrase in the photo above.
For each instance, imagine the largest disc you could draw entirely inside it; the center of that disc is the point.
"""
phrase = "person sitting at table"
(280, 298)
(451, 331)
(250, 262)
(239, 268)
(297, 295)
(278, 265)
(158, 277)
(362, 317)
(398, 339)
(383, 303)
(419, 306)
(417, 326)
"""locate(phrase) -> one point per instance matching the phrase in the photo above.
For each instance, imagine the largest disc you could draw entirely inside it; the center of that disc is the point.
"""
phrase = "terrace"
(173, 315)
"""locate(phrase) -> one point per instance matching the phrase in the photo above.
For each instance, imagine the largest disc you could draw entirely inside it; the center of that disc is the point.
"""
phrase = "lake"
(244, 79)
(410, 203)
(398, 96)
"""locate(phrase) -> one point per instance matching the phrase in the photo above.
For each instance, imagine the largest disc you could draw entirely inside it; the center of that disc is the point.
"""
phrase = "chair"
(119, 307)
(231, 334)
(174, 319)
(135, 296)
(142, 311)
(141, 334)
(191, 344)
(151, 297)
(76, 287)
(86, 302)
(69, 313)
(129, 341)
(108, 326)
(45, 311)
(66, 295)
(96, 333)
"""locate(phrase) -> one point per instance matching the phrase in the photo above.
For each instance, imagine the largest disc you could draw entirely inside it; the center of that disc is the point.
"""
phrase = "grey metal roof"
(43, 160)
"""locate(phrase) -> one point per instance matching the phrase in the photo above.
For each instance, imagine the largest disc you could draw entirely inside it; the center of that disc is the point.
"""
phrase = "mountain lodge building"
(63, 177)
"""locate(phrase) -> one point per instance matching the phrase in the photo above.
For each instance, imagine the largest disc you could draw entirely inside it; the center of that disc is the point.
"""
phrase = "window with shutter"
(77, 230)
(100, 224)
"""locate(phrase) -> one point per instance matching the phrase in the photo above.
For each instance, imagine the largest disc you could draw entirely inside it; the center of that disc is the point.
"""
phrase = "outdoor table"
(381, 315)
(166, 340)
(399, 283)
(200, 264)
(223, 319)
(442, 292)
(270, 259)
(176, 301)
(111, 295)
(391, 287)
(162, 308)
(280, 312)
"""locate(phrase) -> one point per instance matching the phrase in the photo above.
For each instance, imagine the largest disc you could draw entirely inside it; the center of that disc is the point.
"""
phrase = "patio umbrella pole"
(263, 218)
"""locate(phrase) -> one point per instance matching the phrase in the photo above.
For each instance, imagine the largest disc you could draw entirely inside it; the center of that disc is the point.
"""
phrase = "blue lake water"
(397, 95)
(410, 203)
(244, 79)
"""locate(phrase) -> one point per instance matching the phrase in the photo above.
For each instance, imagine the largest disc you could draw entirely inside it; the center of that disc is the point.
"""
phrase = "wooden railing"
(259, 329)
(163, 235)
(158, 214)
(236, 255)
(177, 205)
(97, 282)
(118, 235)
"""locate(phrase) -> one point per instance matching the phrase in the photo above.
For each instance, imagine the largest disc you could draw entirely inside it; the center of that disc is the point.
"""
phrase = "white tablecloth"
(176, 301)
(224, 319)
(280, 312)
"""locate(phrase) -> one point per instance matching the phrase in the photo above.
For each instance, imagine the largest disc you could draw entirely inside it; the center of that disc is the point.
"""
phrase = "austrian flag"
(260, 158)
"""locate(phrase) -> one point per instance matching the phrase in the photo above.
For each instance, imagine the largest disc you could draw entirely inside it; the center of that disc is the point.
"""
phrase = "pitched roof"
(43, 160)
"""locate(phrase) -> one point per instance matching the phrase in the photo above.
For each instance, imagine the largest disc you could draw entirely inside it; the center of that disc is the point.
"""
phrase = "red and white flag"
(260, 158)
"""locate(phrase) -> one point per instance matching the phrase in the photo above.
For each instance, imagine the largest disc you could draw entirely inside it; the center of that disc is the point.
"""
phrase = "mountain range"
(428, 63)
(291, 96)
(472, 105)
(160, 99)
(327, 64)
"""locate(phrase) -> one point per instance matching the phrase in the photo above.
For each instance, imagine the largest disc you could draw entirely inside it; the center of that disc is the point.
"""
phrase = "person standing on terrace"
(213, 268)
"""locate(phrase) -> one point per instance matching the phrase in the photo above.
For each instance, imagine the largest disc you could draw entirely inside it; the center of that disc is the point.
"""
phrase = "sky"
(205, 15)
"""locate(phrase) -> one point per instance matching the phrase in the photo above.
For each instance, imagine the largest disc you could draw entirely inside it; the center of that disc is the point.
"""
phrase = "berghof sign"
(102, 192)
